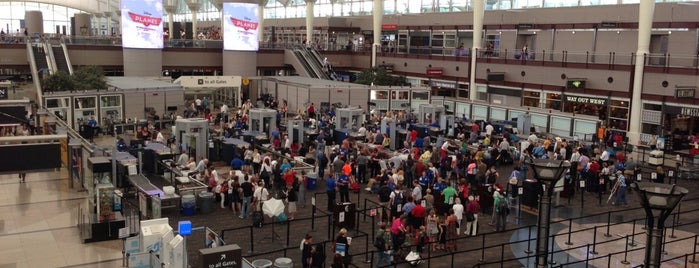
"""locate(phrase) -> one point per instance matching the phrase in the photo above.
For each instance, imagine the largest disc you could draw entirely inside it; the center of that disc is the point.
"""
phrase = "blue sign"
(184, 228)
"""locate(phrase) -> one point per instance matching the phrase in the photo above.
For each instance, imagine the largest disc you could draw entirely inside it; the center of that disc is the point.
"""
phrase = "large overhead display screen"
(142, 23)
(240, 23)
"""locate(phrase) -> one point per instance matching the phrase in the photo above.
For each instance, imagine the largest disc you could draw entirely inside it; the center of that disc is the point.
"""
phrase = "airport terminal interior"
(355, 133)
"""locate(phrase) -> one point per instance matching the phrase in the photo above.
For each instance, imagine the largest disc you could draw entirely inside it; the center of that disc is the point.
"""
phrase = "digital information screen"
(240, 21)
(142, 23)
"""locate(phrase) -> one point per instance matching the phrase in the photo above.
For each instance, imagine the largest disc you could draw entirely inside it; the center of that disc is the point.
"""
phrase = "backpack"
(379, 243)
(421, 239)
(398, 202)
(503, 207)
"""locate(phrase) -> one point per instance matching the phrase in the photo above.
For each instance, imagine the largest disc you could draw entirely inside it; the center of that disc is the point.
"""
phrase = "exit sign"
(575, 84)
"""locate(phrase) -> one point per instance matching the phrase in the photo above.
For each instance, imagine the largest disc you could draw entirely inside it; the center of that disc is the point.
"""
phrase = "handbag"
(470, 217)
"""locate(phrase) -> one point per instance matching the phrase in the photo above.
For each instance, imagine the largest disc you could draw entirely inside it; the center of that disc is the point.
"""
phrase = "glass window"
(379, 95)
(531, 98)
(497, 114)
(482, 93)
(425, 95)
(553, 101)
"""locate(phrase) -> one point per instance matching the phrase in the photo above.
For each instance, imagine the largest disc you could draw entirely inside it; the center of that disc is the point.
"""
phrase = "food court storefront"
(614, 112)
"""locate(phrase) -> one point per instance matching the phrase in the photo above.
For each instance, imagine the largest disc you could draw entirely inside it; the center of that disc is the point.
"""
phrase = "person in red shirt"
(311, 111)
(418, 214)
(413, 136)
(289, 177)
(475, 128)
(472, 208)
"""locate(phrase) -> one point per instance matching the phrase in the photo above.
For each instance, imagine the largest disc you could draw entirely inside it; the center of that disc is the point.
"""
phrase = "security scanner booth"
(127, 165)
(446, 122)
(349, 118)
(193, 136)
(296, 131)
(388, 125)
(261, 122)
(430, 113)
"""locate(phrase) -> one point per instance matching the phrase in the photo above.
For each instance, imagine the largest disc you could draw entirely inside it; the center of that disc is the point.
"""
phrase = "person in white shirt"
(489, 129)
(260, 195)
(224, 109)
(362, 131)
(159, 138)
(417, 191)
(605, 156)
(182, 159)
(532, 139)
(458, 211)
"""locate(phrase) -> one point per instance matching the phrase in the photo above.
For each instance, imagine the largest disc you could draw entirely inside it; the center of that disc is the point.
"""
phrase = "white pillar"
(261, 21)
(194, 7)
(170, 7)
(478, 14)
(108, 16)
(378, 20)
(309, 21)
(645, 24)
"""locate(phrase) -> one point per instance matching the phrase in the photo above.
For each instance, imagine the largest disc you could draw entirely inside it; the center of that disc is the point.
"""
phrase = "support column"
(261, 20)
(170, 7)
(108, 16)
(82, 24)
(378, 20)
(645, 23)
(309, 22)
(194, 6)
(478, 14)
(34, 22)
(98, 26)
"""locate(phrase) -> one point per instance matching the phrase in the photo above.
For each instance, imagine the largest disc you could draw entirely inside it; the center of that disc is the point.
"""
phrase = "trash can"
(283, 263)
(206, 200)
(311, 181)
(189, 202)
(261, 263)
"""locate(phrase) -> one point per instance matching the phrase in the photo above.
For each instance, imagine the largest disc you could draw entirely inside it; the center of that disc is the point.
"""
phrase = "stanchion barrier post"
(609, 260)
(626, 251)
(366, 243)
(679, 209)
(609, 222)
(551, 250)
(313, 216)
(502, 255)
(570, 230)
(482, 260)
(587, 255)
(633, 234)
(288, 231)
(529, 242)
(594, 241)
(694, 253)
(364, 209)
(252, 238)
(331, 226)
(674, 223)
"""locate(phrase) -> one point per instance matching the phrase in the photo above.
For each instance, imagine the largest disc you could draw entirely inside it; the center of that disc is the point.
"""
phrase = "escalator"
(316, 65)
(294, 58)
(60, 58)
(39, 66)
(320, 61)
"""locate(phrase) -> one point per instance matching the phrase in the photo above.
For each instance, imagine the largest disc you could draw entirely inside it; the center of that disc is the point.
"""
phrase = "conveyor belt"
(144, 185)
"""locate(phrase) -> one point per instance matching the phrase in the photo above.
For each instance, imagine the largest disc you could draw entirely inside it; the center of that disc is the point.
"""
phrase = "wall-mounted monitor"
(240, 22)
(142, 24)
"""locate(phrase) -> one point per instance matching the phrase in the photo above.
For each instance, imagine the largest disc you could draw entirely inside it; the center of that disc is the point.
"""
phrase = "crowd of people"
(430, 190)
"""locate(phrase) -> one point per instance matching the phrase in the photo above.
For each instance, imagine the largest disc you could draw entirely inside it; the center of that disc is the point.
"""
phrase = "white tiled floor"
(38, 225)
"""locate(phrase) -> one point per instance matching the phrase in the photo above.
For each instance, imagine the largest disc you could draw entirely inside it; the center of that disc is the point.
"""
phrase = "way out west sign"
(586, 100)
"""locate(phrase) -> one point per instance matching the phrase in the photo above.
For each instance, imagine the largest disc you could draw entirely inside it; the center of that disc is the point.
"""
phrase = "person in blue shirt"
(285, 166)
(279, 119)
(275, 133)
(438, 186)
(435, 124)
(424, 181)
(343, 185)
(330, 190)
(418, 142)
(92, 122)
(237, 163)
(121, 146)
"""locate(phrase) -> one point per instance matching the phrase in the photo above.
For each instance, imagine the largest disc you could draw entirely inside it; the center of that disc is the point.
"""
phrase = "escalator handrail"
(305, 64)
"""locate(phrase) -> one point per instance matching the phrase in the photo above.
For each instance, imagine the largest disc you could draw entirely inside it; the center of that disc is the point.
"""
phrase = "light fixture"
(573, 32)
